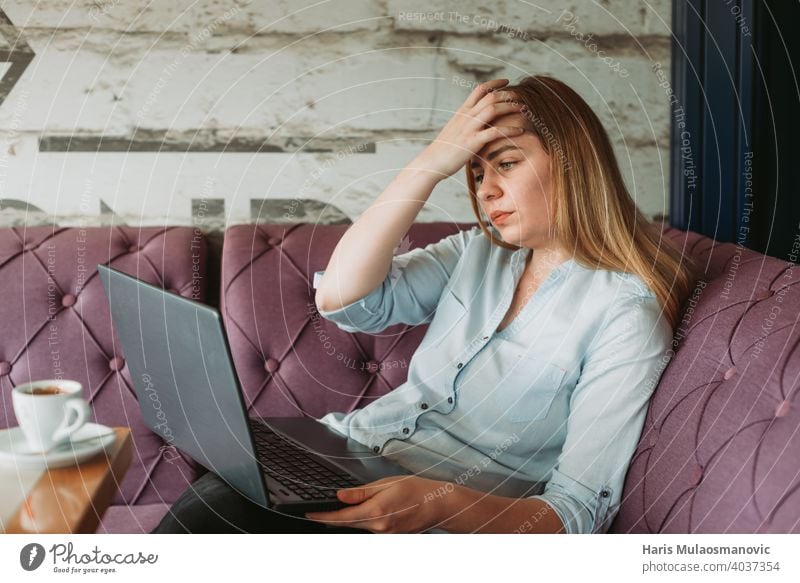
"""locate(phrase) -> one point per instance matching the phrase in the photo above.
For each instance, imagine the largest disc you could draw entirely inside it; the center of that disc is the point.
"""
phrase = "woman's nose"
(488, 189)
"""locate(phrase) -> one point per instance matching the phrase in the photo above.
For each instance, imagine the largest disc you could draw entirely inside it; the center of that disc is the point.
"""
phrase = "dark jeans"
(210, 505)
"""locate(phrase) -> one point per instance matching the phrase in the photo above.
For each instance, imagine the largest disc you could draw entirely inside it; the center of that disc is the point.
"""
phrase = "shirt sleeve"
(619, 373)
(339, 422)
(411, 290)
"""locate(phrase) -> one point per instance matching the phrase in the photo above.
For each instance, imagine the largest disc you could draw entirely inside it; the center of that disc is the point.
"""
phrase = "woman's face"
(513, 175)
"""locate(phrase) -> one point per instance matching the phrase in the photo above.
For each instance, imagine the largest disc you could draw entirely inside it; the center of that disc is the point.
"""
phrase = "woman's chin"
(509, 234)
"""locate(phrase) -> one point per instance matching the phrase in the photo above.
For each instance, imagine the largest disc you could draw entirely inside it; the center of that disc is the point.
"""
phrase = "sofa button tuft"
(695, 475)
(373, 366)
(271, 365)
(729, 373)
(68, 300)
(782, 410)
(5, 368)
(116, 363)
(274, 241)
(133, 249)
(765, 295)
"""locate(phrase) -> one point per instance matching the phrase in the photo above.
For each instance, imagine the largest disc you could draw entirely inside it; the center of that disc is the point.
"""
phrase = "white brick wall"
(342, 72)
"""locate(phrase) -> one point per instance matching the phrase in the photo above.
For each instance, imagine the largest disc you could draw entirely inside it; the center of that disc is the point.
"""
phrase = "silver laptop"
(180, 364)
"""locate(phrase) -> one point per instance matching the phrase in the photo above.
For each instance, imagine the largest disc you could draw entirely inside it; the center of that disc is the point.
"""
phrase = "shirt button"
(424, 405)
(405, 430)
(604, 493)
(376, 449)
(449, 399)
(486, 338)
(460, 364)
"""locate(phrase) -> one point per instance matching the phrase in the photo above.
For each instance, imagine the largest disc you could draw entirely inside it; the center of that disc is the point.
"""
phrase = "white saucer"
(87, 441)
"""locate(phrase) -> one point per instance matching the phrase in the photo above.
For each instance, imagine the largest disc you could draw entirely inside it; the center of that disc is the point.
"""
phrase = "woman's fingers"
(494, 132)
(482, 90)
(494, 110)
(491, 111)
(496, 97)
(355, 516)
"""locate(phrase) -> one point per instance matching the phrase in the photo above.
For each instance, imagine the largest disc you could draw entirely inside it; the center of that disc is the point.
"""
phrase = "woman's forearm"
(363, 256)
(465, 510)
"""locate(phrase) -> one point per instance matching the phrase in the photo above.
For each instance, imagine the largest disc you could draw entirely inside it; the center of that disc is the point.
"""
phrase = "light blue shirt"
(550, 407)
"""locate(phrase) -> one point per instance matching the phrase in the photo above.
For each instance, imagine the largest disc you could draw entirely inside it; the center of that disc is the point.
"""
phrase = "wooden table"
(73, 499)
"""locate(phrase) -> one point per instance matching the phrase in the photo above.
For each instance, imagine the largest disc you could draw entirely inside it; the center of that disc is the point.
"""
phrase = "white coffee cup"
(49, 419)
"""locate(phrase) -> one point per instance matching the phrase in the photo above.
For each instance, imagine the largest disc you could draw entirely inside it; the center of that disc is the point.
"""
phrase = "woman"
(548, 330)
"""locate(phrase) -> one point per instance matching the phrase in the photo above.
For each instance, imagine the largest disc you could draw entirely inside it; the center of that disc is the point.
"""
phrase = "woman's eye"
(480, 176)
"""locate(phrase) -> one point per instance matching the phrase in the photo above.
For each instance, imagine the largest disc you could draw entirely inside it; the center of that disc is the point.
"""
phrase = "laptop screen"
(180, 365)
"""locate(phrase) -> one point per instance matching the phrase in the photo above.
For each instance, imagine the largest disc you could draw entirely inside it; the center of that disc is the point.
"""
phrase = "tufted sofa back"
(720, 450)
(56, 324)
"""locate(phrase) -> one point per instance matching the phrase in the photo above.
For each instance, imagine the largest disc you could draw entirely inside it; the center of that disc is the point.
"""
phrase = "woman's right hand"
(469, 129)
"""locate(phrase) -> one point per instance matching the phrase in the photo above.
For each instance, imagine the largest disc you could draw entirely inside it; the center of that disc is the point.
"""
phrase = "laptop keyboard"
(294, 468)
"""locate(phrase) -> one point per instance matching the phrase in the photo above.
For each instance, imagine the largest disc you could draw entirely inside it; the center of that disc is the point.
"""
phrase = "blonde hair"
(593, 212)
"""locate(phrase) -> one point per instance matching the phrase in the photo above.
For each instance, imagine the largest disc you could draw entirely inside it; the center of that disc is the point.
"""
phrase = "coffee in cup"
(49, 412)
(51, 390)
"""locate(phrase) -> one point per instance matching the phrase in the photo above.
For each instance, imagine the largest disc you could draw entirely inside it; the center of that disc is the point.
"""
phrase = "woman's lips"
(500, 218)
